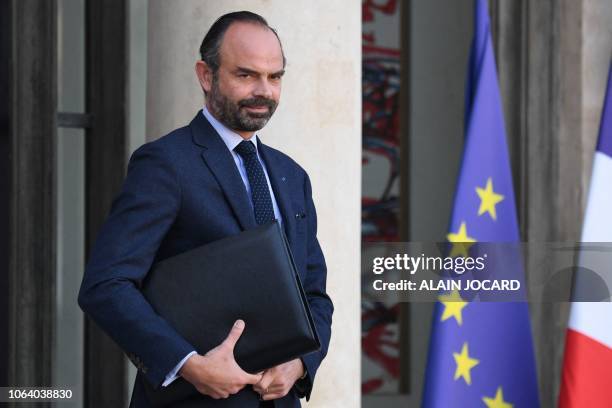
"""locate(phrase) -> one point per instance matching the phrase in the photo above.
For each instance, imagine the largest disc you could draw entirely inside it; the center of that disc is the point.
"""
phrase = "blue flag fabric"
(481, 354)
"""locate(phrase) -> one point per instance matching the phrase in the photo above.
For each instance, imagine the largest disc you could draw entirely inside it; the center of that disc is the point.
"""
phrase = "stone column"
(318, 123)
(553, 58)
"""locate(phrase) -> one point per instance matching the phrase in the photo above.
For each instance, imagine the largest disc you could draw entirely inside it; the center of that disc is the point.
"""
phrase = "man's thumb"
(234, 334)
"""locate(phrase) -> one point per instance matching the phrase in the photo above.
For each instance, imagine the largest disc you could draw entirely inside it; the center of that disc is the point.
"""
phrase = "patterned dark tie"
(260, 194)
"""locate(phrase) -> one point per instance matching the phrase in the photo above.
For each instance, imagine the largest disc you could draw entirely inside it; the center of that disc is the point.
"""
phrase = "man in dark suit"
(200, 183)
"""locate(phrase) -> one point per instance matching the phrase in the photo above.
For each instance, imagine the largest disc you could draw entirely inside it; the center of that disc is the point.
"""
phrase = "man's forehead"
(251, 43)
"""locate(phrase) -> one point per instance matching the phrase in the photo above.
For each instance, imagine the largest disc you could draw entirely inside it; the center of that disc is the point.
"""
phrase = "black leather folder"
(249, 276)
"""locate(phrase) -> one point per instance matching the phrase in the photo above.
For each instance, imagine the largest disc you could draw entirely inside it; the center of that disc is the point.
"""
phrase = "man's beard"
(234, 116)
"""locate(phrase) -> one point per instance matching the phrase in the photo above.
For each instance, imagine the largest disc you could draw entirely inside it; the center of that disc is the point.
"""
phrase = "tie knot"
(246, 148)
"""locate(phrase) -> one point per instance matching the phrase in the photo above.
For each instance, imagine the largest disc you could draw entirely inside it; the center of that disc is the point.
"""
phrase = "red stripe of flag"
(587, 373)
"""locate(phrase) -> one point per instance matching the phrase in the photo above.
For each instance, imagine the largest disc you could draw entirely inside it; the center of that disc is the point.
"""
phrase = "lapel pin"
(284, 178)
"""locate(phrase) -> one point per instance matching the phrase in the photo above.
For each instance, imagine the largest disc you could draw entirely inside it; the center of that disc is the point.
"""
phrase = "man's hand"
(216, 373)
(277, 381)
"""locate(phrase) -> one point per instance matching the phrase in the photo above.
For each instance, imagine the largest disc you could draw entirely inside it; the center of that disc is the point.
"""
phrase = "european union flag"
(481, 354)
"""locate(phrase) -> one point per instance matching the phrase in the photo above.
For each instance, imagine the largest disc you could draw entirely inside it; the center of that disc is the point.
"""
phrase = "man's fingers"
(265, 381)
(252, 379)
(234, 334)
(272, 396)
(275, 388)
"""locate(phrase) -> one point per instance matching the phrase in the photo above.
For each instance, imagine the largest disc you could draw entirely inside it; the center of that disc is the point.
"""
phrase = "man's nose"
(263, 89)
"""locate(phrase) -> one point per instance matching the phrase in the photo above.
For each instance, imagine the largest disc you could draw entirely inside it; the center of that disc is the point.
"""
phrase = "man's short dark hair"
(209, 50)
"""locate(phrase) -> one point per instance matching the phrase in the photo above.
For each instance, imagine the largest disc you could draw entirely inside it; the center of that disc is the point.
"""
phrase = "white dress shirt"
(231, 140)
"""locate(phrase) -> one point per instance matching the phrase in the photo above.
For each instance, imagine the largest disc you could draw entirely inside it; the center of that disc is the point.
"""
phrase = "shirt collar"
(229, 137)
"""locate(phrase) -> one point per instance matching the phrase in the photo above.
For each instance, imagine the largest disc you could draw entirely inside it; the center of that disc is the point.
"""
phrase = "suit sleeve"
(140, 217)
(315, 287)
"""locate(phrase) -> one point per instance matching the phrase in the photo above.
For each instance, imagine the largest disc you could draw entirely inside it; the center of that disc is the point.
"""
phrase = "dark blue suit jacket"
(182, 191)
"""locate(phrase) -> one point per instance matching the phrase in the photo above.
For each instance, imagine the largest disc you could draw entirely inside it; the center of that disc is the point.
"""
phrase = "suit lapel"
(279, 180)
(221, 163)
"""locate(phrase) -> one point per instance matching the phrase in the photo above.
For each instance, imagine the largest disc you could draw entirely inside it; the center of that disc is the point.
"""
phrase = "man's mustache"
(257, 102)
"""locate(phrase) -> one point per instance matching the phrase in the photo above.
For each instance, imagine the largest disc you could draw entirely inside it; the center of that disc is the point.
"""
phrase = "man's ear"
(205, 75)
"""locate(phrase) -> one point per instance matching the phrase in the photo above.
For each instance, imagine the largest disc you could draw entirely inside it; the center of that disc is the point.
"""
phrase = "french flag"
(587, 365)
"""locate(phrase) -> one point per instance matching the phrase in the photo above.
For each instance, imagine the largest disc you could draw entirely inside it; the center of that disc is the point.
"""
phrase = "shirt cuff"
(173, 375)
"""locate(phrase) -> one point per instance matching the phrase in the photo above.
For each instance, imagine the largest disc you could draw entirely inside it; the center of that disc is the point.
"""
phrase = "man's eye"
(244, 75)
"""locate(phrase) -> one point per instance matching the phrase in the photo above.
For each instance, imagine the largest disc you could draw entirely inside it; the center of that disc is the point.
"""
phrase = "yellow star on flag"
(453, 305)
(498, 401)
(488, 199)
(461, 241)
(464, 364)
